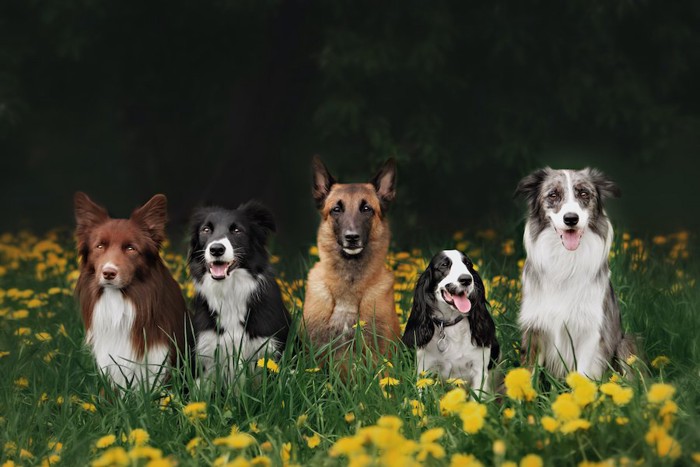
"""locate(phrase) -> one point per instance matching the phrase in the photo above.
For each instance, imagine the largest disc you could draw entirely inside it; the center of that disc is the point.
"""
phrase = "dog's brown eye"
(366, 208)
(235, 230)
(206, 230)
(100, 246)
(553, 195)
(583, 194)
(336, 209)
(130, 248)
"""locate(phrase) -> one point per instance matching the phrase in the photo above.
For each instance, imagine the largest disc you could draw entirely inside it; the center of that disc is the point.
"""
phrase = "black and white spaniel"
(450, 326)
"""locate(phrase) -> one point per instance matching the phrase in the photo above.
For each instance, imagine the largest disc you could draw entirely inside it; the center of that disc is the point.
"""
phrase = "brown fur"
(161, 313)
(342, 291)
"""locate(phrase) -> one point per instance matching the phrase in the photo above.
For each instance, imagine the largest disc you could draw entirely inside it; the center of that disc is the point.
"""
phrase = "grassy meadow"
(55, 408)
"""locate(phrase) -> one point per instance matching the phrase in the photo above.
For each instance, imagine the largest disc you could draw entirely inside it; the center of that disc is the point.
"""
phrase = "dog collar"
(446, 324)
(442, 345)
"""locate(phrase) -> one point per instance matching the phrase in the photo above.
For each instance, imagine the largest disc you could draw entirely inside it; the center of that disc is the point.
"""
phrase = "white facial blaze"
(457, 270)
(228, 255)
(569, 206)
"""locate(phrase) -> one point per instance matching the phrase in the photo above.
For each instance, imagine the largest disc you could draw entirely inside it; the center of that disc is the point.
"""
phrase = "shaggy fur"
(134, 314)
(569, 316)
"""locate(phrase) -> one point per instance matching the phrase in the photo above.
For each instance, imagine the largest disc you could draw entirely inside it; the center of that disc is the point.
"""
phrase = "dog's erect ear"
(260, 216)
(153, 216)
(88, 214)
(322, 181)
(605, 186)
(419, 328)
(385, 183)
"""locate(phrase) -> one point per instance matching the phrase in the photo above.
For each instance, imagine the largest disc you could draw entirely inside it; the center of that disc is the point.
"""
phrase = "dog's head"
(569, 201)
(223, 240)
(353, 210)
(116, 251)
(450, 287)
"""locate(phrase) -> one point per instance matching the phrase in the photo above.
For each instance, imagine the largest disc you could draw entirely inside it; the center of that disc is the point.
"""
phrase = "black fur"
(267, 315)
(420, 327)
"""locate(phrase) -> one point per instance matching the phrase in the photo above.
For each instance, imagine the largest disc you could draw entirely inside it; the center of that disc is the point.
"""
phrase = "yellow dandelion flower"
(235, 441)
(509, 413)
(105, 441)
(253, 427)
(575, 425)
(664, 444)
(23, 331)
(43, 336)
(456, 382)
(388, 381)
(301, 419)
(531, 460)
(34, 303)
(195, 410)
(268, 364)
(622, 420)
(19, 314)
(550, 424)
(21, 382)
(361, 324)
(499, 448)
(620, 396)
(25, 454)
(565, 407)
(417, 407)
(286, 453)
(472, 415)
(262, 461)
(111, 457)
(349, 417)
(145, 452)
(453, 401)
(4, 353)
(313, 441)
(192, 445)
(88, 407)
(518, 385)
(584, 390)
(696, 457)
(424, 383)
(313, 370)
(660, 361)
(464, 460)
(660, 392)
(165, 401)
(139, 437)
(390, 421)
(54, 291)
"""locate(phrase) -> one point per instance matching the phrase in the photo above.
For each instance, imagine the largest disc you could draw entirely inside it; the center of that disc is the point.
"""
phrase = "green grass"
(658, 297)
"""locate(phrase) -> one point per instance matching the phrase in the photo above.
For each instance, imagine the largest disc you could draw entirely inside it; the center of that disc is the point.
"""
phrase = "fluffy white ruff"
(563, 296)
(109, 338)
(232, 348)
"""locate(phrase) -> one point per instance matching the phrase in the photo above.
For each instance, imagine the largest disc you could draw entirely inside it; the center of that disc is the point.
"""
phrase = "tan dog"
(351, 283)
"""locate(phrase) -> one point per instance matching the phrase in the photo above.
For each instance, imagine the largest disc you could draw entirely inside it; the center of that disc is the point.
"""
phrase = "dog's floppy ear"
(322, 181)
(482, 327)
(385, 183)
(88, 214)
(419, 328)
(260, 216)
(605, 186)
(153, 216)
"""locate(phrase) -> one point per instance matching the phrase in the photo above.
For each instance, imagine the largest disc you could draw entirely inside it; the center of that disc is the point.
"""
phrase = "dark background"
(222, 101)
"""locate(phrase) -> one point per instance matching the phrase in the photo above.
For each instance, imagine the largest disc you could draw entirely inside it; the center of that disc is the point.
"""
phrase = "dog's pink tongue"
(571, 239)
(462, 303)
(218, 270)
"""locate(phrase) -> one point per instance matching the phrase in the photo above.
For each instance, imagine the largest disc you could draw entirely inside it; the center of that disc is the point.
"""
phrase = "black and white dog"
(569, 317)
(239, 313)
(449, 325)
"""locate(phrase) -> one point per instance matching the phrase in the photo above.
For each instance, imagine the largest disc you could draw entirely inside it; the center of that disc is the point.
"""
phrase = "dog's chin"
(570, 238)
(220, 270)
(352, 252)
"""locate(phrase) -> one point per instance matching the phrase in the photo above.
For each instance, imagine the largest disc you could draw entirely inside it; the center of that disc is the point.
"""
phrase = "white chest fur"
(563, 296)
(227, 349)
(460, 358)
(109, 337)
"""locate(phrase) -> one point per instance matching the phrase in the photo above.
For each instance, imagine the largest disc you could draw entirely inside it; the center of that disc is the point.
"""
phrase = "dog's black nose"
(352, 238)
(217, 249)
(570, 219)
(465, 280)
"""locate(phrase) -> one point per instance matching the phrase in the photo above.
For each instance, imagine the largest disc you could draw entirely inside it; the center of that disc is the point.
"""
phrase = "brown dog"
(351, 283)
